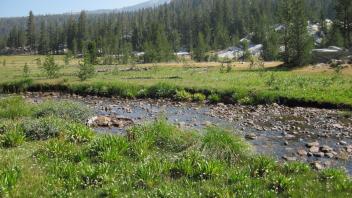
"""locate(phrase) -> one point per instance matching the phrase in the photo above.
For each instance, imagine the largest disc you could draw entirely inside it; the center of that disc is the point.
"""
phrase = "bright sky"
(11, 8)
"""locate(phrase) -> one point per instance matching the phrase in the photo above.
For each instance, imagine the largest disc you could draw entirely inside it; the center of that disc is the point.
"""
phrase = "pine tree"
(26, 71)
(72, 34)
(335, 38)
(270, 45)
(201, 48)
(297, 42)
(82, 30)
(245, 48)
(86, 69)
(91, 53)
(301, 42)
(163, 47)
(286, 15)
(50, 68)
(150, 54)
(344, 19)
(31, 34)
(44, 40)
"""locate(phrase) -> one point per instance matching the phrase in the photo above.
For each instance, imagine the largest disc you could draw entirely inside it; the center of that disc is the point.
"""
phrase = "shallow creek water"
(279, 131)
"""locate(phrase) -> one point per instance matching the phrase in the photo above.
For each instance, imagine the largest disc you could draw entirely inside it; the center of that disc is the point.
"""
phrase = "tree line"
(197, 26)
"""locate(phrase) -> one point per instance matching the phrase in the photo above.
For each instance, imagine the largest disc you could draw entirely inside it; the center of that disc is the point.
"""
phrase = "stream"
(320, 137)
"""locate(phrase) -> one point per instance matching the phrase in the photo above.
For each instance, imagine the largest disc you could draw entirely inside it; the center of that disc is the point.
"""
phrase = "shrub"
(183, 95)
(199, 97)
(14, 107)
(12, 138)
(50, 68)
(214, 98)
(8, 179)
(78, 133)
(72, 111)
(42, 128)
(245, 100)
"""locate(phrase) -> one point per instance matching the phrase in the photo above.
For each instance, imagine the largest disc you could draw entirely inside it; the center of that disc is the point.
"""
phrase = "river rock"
(313, 144)
(290, 159)
(317, 165)
(314, 149)
(207, 124)
(319, 154)
(338, 126)
(326, 149)
(251, 136)
(302, 152)
(329, 155)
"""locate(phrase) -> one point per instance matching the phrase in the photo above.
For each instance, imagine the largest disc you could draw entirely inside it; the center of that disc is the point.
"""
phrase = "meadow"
(321, 87)
(42, 154)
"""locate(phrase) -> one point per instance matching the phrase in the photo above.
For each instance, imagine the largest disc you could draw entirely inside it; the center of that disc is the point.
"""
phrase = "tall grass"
(14, 107)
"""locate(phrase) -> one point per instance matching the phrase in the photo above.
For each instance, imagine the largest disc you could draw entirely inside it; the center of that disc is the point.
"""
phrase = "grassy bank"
(41, 154)
(305, 87)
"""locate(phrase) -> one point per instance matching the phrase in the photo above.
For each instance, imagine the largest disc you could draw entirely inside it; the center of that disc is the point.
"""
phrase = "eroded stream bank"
(320, 137)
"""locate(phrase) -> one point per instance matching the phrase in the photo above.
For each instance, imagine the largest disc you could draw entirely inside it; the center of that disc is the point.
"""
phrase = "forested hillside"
(181, 24)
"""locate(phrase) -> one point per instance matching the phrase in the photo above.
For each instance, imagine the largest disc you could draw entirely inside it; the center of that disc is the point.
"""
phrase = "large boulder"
(325, 55)
(109, 121)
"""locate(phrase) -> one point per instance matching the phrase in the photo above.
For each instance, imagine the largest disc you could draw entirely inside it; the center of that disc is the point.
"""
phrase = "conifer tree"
(82, 30)
(86, 69)
(50, 68)
(201, 48)
(43, 40)
(344, 20)
(31, 41)
(26, 71)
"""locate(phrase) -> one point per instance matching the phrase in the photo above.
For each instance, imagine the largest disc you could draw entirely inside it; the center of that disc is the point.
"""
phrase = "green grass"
(298, 87)
(152, 160)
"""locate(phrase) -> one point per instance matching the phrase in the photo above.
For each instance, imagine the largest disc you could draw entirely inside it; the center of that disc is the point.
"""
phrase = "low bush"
(183, 95)
(198, 97)
(72, 111)
(14, 107)
(214, 98)
(43, 128)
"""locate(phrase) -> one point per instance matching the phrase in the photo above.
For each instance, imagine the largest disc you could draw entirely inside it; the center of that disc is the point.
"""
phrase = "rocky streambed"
(320, 137)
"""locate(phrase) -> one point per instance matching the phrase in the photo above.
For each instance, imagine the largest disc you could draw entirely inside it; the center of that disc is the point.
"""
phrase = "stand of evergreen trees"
(197, 26)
